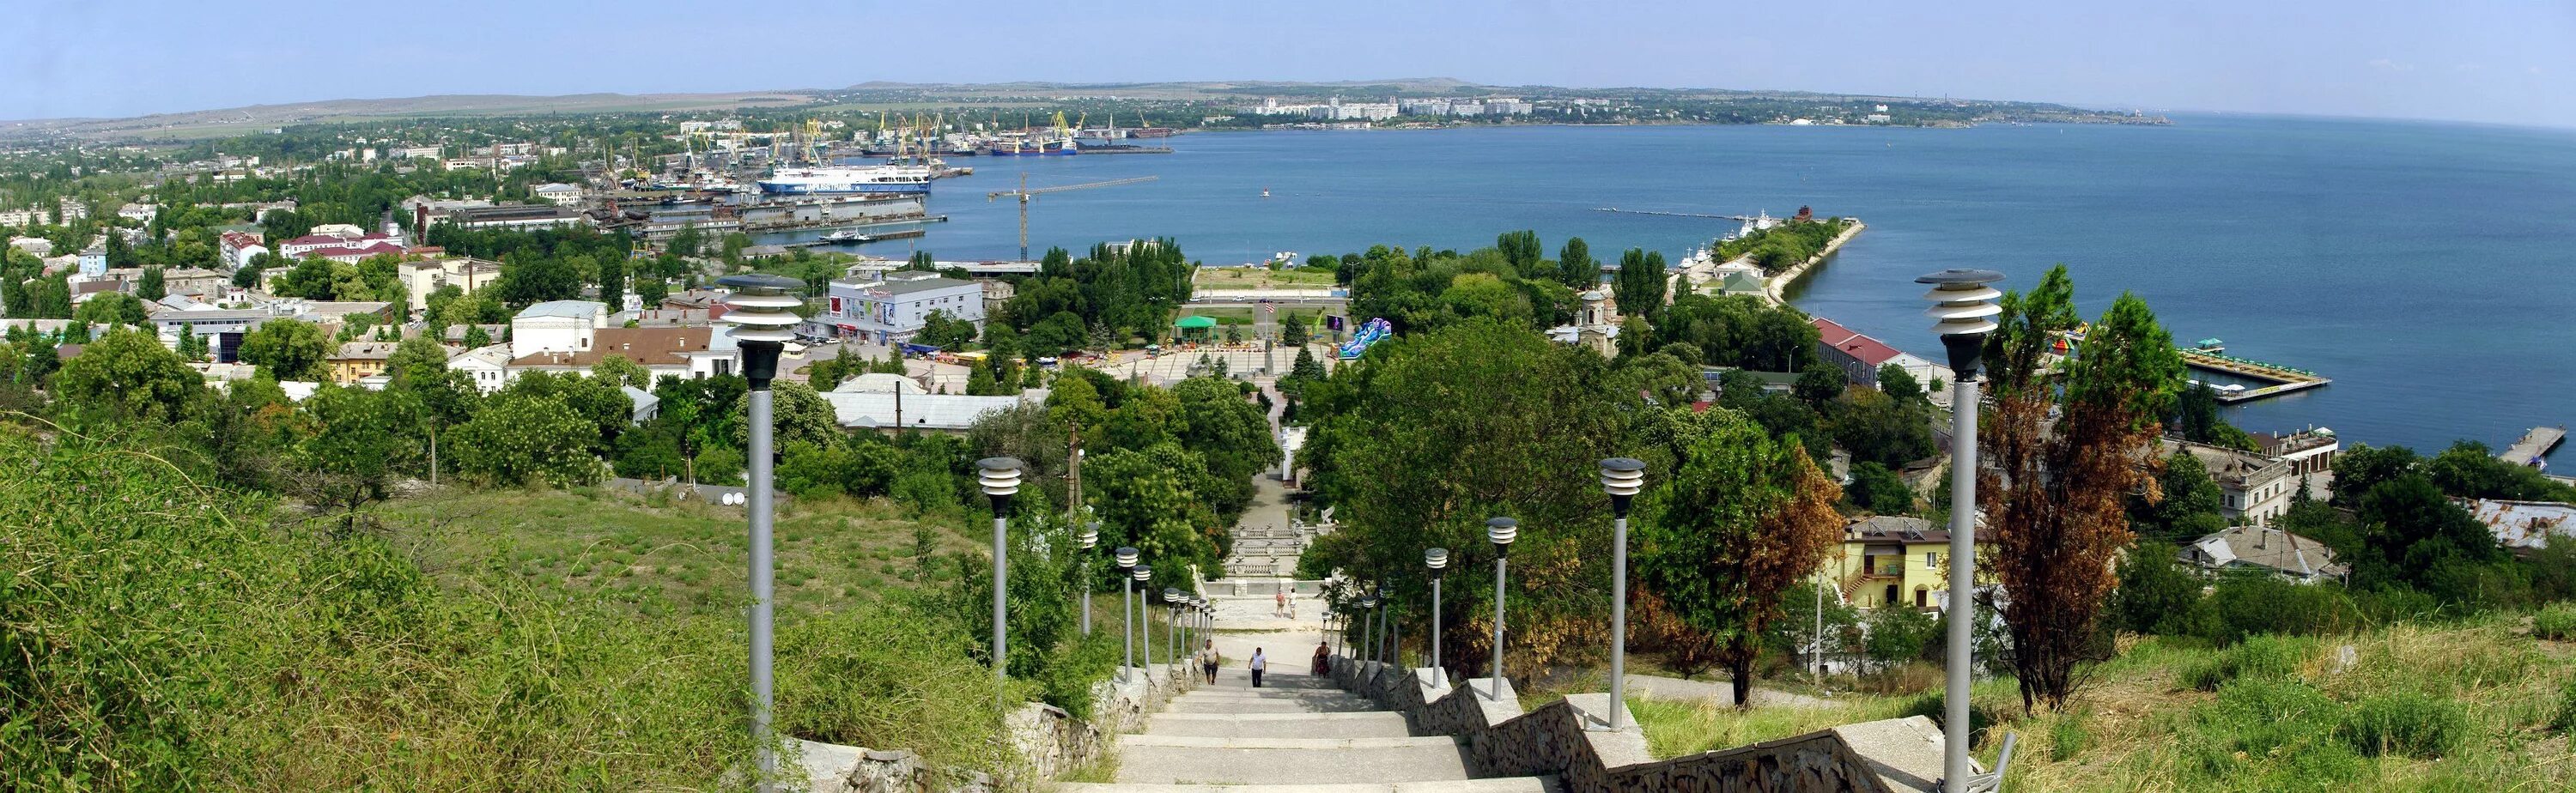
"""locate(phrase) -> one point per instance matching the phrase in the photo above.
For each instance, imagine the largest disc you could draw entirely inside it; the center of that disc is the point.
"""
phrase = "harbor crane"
(1024, 194)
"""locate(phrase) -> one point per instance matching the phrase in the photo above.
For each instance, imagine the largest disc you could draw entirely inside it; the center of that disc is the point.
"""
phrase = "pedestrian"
(1323, 664)
(1258, 663)
(1208, 660)
(1280, 609)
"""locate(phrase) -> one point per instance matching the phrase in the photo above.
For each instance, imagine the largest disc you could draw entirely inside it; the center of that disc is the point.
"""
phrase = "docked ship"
(1033, 145)
(846, 180)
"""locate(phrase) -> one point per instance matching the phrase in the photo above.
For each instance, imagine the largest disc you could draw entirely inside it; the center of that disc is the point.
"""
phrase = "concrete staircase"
(1296, 734)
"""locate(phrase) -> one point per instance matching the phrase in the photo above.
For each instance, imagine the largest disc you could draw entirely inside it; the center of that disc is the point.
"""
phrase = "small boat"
(846, 235)
(1265, 192)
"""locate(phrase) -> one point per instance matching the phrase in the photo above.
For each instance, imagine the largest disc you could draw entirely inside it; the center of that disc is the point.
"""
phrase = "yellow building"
(1887, 559)
(359, 360)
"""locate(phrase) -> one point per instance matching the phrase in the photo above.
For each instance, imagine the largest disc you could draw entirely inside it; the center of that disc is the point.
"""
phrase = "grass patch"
(2264, 657)
(1262, 278)
(1674, 728)
(656, 556)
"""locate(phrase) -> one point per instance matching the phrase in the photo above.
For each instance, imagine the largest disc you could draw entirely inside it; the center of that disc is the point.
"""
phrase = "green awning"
(1195, 322)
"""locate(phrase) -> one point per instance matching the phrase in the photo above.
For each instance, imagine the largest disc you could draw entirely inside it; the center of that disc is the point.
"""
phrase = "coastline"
(1776, 288)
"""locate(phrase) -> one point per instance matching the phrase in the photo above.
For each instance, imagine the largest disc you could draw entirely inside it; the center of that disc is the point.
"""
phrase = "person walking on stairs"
(1258, 664)
(1208, 660)
(1322, 666)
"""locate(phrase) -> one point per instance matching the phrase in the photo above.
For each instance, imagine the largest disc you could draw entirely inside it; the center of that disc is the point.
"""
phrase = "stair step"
(1270, 693)
(1509, 784)
(1352, 705)
(1346, 762)
(1269, 742)
(1365, 724)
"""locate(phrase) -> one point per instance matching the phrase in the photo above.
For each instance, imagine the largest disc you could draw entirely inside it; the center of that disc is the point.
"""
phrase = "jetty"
(2277, 379)
(2534, 445)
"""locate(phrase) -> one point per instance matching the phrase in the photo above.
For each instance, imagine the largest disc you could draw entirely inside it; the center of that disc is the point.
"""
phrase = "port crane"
(1024, 194)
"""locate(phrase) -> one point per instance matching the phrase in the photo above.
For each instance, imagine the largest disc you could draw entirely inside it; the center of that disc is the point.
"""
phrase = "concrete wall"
(1553, 740)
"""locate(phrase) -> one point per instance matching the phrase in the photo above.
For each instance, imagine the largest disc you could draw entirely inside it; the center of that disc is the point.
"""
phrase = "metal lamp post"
(1500, 531)
(1438, 560)
(761, 311)
(1963, 306)
(1368, 624)
(1622, 477)
(1172, 629)
(1126, 604)
(1144, 574)
(1090, 539)
(1000, 477)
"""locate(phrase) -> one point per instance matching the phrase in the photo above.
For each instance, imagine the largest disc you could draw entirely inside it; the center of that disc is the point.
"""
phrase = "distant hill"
(203, 122)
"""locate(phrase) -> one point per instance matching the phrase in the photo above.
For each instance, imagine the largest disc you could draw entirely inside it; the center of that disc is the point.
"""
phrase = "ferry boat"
(845, 180)
(848, 235)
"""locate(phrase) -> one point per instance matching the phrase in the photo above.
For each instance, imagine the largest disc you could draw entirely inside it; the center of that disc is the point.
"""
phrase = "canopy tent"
(1197, 327)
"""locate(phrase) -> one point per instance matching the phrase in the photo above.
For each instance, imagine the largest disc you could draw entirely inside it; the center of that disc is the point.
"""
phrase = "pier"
(2279, 379)
(2534, 445)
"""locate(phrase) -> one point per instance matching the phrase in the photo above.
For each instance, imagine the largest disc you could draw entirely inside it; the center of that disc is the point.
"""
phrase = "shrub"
(2242, 607)
(2068, 737)
(2557, 622)
(2264, 657)
(2410, 724)
(888, 676)
(2566, 720)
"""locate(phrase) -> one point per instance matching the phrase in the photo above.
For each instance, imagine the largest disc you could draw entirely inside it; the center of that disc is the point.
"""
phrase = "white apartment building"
(891, 311)
(556, 326)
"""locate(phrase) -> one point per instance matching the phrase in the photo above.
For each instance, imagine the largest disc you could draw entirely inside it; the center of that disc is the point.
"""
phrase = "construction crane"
(1024, 194)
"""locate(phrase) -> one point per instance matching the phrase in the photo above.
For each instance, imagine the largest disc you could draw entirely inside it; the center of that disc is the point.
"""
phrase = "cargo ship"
(846, 180)
(1031, 146)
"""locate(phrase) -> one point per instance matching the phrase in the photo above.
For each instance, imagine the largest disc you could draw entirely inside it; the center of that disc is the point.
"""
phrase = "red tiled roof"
(1870, 351)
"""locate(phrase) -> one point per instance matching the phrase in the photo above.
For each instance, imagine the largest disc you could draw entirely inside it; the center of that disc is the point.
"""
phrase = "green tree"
(1743, 518)
(1575, 266)
(1144, 501)
(151, 287)
(1293, 331)
(619, 370)
(111, 308)
(526, 438)
(2187, 503)
(1877, 428)
(349, 460)
(687, 240)
(128, 374)
(1900, 385)
(537, 279)
(1521, 250)
(1878, 490)
(2156, 593)
(799, 415)
(192, 347)
(1056, 335)
(1639, 287)
(1898, 634)
(2363, 467)
(286, 349)
(476, 338)
(1820, 383)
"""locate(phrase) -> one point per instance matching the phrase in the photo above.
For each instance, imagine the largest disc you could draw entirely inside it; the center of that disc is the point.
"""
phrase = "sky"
(2469, 60)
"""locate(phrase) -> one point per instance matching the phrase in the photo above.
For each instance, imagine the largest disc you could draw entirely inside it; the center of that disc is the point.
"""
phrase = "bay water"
(2430, 269)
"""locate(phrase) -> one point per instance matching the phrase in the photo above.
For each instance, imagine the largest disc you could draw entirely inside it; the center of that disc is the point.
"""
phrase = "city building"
(1860, 356)
(93, 261)
(892, 310)
(2310, 452)
(2524, 527)
(558, 192)
(139, 212)
(1596, 325)
(1887, 559)
(466, 273)
(2265, 550)
(340, 242)
(358, 360)
(237, 247)
(413, 153)
(685, 353)
(487, 367)
(2253, 487)
(517, 216)
(221, 328)
(556, 326)
(37, 246)
(884, 402)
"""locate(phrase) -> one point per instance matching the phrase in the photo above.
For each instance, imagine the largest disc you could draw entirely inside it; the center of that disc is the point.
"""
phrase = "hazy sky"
(2480, 60)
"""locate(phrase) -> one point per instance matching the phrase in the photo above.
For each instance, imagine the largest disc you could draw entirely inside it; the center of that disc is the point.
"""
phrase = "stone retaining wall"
(1553, 740)
(1050, 742)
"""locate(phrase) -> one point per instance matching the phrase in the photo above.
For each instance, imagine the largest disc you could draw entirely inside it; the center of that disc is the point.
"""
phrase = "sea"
(2428, 268)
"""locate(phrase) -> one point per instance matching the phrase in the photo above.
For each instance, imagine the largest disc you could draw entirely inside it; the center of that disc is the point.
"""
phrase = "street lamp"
(1090, 539)
(1126, 603)
(1622, 477)
(1964, 306)
(1438, 560)
(1500, 531)
(1172, 629)
(761, 312)
(1368, 624)
(1000, 477)
(1144, 574)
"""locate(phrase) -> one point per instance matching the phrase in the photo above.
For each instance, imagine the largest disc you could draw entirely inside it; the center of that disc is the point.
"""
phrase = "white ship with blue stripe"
(847, 180)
